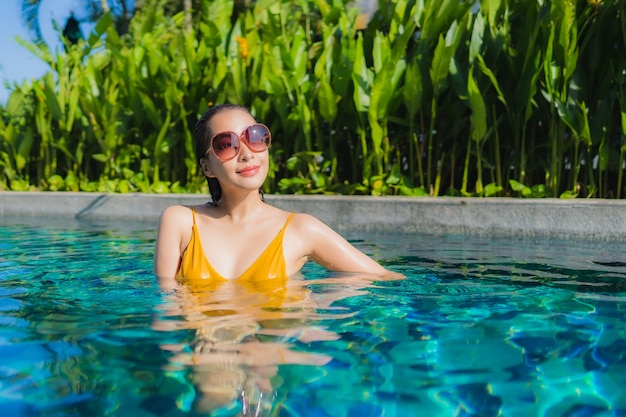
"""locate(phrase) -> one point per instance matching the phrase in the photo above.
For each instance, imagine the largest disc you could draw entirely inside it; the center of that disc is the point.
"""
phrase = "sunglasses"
(226, 145)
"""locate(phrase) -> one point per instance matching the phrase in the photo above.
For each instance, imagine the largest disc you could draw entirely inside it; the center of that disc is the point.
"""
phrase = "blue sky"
(16, 62)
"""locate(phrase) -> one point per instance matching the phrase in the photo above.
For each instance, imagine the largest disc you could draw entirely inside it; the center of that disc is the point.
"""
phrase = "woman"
(234, 257)
(238, 235)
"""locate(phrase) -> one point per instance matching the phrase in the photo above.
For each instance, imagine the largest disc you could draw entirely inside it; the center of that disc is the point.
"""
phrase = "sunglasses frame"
(243, 137)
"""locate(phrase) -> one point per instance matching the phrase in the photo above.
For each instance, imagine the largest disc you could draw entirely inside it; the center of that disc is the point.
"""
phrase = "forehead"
(234, 120)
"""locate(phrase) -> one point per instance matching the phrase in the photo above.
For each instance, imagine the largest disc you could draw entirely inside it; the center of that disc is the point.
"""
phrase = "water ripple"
(480, 327)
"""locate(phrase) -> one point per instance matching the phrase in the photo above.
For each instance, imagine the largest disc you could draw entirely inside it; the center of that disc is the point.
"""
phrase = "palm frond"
(30, 16)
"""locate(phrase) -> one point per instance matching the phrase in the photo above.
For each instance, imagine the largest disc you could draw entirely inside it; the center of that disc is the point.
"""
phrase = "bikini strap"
(288, 220)
(193, 213)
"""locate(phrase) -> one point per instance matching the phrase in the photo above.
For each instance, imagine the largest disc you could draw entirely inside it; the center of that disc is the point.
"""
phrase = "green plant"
(477, 99)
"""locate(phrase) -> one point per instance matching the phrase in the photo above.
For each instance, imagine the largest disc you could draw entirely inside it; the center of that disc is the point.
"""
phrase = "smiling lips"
(248, 171)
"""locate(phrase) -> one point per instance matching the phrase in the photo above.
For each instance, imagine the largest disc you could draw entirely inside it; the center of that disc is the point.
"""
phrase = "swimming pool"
(480, 327)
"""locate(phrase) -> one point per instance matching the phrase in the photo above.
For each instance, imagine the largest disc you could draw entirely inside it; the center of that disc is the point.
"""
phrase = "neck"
(239, 207)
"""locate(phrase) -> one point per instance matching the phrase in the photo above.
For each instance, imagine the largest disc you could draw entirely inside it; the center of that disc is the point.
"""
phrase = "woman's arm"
(168, 248)
(333, 251)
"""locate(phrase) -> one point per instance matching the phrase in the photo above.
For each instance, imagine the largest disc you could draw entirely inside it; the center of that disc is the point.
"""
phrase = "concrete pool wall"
(594, 219)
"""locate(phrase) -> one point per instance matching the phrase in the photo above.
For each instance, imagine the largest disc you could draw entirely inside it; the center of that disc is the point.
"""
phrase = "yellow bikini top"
(269, 265)
(259, 294)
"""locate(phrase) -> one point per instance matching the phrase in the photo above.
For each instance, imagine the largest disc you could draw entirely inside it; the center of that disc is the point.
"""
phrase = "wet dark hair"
(201, 138)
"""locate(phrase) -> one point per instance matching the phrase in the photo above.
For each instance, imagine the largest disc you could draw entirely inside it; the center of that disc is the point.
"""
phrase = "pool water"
(480, 327)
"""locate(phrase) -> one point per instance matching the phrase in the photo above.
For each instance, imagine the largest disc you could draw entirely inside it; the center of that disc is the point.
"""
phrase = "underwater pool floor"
(480, 327)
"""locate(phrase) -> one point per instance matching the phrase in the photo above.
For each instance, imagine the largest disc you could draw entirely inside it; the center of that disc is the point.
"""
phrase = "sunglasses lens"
(258, 137)
(226, 145)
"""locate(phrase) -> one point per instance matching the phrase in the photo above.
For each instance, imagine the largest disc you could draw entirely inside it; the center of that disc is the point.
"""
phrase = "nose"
(245, 154)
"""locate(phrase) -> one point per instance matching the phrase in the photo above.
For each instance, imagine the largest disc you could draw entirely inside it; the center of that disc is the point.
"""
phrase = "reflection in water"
(483, 327)
(242, 332)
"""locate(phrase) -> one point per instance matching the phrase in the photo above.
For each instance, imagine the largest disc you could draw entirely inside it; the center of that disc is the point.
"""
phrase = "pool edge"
(595, 219)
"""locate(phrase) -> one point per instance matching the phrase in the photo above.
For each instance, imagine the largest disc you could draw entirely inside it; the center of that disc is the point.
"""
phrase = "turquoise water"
(480, 327)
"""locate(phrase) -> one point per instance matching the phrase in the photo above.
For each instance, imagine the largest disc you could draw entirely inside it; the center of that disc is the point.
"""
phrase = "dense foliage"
(432, 97)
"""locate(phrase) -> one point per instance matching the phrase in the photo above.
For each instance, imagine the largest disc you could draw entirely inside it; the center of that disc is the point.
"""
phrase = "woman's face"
(248, 169)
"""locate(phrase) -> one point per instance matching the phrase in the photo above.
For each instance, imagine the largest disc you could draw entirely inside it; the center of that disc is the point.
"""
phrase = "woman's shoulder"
(187, 208)
(295, 216)
(177, 209)
(307, 223)
(305, 218)
(177, 213)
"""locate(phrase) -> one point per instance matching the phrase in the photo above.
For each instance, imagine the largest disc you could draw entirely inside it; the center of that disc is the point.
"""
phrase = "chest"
(239, 252)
